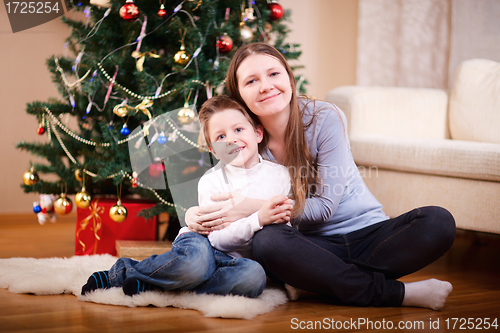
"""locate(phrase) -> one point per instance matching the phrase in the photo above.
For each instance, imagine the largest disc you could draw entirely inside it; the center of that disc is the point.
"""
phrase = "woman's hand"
(228, 207)
(233, 207)
(207, 218)
(275, 210)
(194, 220)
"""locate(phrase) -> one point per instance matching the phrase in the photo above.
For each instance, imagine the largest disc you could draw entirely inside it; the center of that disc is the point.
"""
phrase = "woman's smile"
(266, 99)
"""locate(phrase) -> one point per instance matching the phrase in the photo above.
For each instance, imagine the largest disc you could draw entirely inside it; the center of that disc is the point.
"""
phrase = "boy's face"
(233, 139)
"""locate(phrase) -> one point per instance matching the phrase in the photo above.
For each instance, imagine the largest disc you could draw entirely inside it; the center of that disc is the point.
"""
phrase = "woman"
(342, 244)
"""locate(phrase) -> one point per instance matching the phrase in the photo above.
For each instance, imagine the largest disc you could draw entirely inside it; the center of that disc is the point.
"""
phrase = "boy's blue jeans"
(193, 264)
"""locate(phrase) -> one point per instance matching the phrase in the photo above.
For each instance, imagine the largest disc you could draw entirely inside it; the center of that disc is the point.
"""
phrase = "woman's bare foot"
(427, 294)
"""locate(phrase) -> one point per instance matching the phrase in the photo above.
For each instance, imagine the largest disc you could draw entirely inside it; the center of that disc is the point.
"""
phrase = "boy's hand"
(275, 210)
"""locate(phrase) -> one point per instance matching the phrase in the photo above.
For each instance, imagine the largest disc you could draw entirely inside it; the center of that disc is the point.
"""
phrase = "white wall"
(24, 78)
(326, 31)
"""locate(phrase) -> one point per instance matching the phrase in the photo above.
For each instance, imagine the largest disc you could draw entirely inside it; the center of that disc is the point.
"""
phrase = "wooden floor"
(472, 266)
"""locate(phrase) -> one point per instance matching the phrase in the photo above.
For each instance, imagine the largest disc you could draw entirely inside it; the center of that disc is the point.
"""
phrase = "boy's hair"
(219, 104)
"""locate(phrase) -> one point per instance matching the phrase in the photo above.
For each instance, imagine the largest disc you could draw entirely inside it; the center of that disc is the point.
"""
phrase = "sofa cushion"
(455, 158)
(474, 107)
(395, 111)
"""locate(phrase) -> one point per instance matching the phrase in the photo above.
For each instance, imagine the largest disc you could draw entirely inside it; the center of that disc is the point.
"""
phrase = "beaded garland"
(52, 129)
(133, 94)
(107, 144)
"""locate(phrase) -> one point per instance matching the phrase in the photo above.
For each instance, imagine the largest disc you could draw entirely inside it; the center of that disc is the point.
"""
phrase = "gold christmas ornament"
(83, 199)
(246, 33)
(118, 212)
(63, 205)
(185, 115)
(181, 57)
(30, 177)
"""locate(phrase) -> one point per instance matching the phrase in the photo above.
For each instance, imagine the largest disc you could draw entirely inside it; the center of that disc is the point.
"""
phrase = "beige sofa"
(418, 147)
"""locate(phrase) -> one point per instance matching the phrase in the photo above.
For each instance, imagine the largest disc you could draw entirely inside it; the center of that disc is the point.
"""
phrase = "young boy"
(192, 263)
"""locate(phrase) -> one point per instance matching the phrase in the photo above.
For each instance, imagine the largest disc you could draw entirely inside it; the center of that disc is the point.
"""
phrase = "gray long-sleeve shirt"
(345, 204)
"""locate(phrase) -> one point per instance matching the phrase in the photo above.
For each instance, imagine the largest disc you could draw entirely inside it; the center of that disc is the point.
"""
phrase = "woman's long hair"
(298, 159)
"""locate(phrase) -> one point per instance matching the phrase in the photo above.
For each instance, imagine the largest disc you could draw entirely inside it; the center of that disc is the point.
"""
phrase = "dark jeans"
(359, 268)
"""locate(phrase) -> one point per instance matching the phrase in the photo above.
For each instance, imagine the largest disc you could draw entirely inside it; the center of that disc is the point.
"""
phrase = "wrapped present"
(97, 233)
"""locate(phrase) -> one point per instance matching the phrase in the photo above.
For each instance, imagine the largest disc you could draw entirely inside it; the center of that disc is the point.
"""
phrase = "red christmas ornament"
(162, 12)
(224, 43)
(276, 11)
(156, 169)
(40, 130)
(129, 11)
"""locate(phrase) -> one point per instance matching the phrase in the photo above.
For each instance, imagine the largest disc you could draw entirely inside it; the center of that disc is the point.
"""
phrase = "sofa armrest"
(393, 111)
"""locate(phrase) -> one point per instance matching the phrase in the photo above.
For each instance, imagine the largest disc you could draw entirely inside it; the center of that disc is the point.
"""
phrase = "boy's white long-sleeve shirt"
(263, 181)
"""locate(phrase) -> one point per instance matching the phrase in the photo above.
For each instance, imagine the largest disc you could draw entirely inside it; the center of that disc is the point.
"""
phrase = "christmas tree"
(126, 124)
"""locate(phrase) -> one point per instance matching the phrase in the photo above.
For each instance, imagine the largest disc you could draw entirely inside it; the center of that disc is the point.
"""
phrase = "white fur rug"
(67, 276)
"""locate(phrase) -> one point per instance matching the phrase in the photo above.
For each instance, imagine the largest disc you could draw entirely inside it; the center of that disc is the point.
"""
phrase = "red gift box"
(96, 232)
